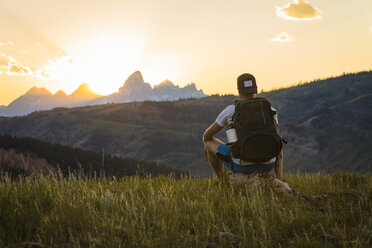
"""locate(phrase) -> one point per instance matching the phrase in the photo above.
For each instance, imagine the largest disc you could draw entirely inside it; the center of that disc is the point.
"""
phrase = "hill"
(326, 123)
(330, 211)
(27, 155)
(167, 132)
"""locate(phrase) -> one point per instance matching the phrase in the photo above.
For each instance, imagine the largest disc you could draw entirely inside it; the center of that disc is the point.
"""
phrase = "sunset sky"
(62, 44)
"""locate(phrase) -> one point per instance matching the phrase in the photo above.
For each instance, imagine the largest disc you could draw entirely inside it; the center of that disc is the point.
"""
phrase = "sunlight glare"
(102, 62)
(161, 67)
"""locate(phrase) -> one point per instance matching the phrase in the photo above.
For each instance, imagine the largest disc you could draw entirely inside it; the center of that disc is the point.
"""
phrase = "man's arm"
(211, 131)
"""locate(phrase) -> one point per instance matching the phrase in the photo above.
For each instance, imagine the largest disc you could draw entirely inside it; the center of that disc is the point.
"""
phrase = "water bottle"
(232, 136)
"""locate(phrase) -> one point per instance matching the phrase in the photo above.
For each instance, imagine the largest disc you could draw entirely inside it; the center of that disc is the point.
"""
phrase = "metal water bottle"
(232, 136)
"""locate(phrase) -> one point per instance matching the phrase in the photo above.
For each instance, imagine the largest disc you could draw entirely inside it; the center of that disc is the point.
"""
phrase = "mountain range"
(134, 89)
(327, 124)
(42, 99)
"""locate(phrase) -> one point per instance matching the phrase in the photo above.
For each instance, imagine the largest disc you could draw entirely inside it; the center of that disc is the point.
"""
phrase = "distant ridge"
(134, 89)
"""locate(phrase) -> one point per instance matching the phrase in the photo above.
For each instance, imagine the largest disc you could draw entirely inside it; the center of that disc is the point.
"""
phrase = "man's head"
(247, 86)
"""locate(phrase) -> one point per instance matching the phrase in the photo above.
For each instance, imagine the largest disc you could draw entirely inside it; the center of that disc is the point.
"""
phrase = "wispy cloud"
(13, 68)
(40, 74)
(283, 37)
(54, 69)
(1, 44)
(10, 43)
(370, 29)
(10, 66)
(298, 10)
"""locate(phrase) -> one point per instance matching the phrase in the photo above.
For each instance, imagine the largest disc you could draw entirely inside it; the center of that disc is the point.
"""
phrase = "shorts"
(224, 154)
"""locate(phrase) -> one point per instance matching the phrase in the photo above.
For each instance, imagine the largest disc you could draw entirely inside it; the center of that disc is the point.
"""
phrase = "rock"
(260, 179)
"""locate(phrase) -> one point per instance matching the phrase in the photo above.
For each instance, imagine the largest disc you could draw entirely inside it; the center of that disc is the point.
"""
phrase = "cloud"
(298, 10)
(40, 74)
(14, 68)
(10, 43)
(283, 37)
(370, 29)
(1, 44)
(55, 69)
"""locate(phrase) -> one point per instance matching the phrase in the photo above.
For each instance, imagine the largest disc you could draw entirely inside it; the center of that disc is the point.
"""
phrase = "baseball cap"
(247, 84)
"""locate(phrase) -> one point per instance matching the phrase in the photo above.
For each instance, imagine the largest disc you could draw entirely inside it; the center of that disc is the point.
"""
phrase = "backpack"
(258, 139)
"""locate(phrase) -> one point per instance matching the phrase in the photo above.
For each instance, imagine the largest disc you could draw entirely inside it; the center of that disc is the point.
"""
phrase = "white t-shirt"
(225, 118)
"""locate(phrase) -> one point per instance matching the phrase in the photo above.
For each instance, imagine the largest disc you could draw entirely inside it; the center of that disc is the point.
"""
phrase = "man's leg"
(279, 166)
(211, 149)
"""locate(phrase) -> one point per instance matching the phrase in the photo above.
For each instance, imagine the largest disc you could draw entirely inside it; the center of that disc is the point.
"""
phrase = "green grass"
(331, 211)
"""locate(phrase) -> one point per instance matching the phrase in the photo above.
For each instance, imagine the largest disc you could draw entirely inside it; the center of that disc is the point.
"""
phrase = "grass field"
(330, 211)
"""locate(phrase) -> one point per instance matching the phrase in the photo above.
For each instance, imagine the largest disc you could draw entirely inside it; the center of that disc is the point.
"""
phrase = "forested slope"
(27, 155)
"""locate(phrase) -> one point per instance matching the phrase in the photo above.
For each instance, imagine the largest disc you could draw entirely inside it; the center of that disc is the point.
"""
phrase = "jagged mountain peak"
(38, 91)
(135, 78)
(136, 75)
(135, 82)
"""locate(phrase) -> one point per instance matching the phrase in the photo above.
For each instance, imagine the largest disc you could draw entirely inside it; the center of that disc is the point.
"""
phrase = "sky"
(62, 44)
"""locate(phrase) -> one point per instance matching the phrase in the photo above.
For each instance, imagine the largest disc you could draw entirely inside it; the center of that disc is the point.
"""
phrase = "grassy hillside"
(331, 210)
(326, 123)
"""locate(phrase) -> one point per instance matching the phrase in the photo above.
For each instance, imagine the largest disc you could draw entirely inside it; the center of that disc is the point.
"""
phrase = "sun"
(102, 62)
(105, 61)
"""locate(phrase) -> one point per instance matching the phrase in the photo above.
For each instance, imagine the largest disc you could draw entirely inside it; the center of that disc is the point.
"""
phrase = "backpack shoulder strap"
(273, 112)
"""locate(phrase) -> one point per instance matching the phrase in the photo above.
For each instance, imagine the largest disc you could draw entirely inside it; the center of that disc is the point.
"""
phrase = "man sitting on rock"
(257, 147)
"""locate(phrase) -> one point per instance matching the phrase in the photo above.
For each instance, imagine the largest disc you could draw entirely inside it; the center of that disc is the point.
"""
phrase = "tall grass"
(330, 211)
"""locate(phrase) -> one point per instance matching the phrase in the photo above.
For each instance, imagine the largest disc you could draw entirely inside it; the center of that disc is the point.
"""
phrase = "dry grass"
(331, 211)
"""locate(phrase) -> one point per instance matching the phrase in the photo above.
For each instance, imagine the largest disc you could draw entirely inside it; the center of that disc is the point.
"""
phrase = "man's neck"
(247, 97)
